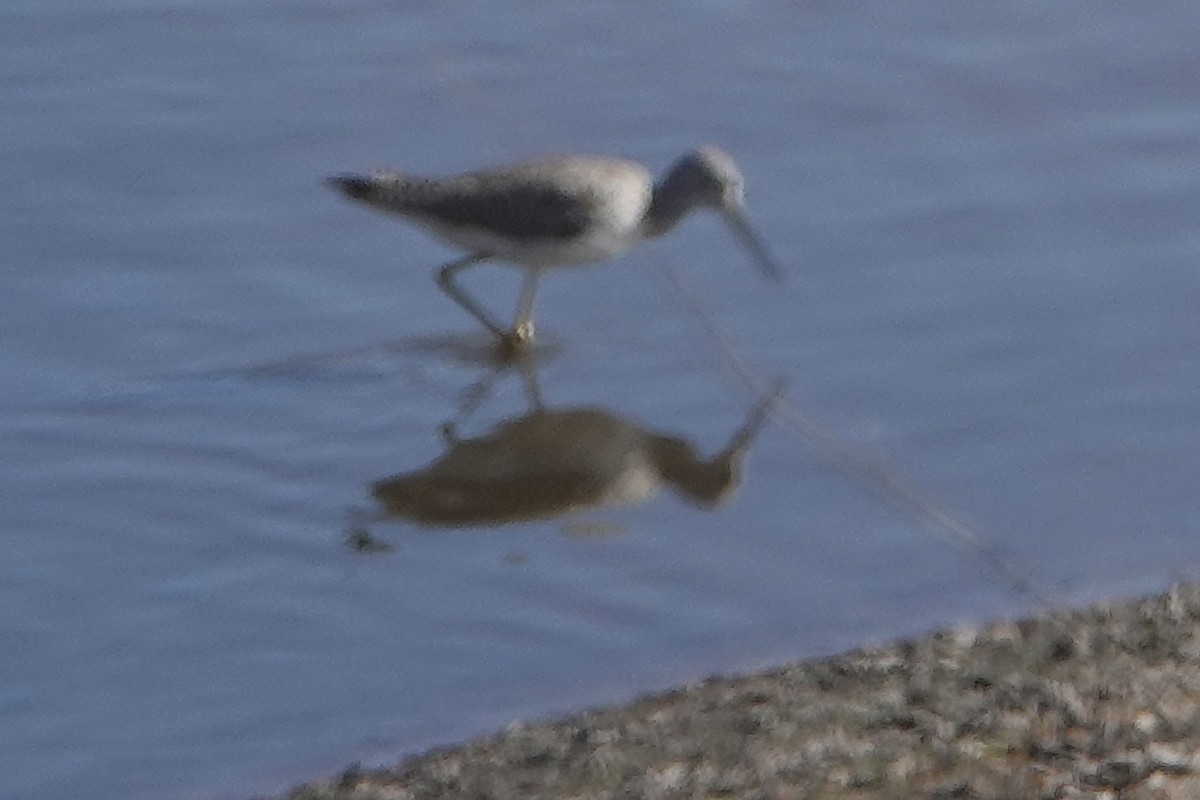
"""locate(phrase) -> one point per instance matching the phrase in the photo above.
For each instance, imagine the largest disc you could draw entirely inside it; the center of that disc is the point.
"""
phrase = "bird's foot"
(518, 341)
(523, 332)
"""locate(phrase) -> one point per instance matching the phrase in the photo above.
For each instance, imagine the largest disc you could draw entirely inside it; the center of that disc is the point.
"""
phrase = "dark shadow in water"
(551, 462)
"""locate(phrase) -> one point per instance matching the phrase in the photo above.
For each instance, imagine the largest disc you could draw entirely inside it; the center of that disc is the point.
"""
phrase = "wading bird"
(556, 211)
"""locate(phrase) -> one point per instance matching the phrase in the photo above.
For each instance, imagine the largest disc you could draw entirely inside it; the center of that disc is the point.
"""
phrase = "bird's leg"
(523, 327)
(445, 279)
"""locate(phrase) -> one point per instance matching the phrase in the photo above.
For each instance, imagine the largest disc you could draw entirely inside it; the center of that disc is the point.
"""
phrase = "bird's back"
(556, 210)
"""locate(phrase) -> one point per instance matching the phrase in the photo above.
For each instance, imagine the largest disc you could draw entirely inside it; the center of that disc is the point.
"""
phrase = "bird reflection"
(551, 462)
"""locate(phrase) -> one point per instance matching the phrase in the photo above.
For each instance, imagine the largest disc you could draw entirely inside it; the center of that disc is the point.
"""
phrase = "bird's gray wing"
(520, 210)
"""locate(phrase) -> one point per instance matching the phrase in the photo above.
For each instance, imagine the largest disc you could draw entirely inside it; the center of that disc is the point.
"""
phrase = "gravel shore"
(1102, 702)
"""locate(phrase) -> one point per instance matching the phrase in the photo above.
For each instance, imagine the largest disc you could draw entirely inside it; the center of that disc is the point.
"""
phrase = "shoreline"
(1102, 701)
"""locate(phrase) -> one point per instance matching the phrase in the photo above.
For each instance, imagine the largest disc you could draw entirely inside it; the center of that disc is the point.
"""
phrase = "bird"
(556, 211)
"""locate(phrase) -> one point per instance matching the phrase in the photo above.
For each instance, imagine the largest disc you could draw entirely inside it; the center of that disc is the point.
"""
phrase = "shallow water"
(987, 216)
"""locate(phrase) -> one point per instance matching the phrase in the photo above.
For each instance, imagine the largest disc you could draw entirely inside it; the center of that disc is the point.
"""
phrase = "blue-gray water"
(988, 214)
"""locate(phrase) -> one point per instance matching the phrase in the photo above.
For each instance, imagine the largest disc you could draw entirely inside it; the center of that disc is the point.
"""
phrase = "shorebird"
(556, 211)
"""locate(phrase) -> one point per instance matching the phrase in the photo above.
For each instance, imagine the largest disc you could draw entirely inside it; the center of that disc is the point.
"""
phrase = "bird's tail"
(383, 189)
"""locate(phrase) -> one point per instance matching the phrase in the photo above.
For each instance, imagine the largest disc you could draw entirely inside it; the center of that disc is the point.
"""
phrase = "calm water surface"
(988, 217)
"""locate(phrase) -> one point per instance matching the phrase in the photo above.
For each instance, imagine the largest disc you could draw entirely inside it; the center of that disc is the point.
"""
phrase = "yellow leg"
(523, 327)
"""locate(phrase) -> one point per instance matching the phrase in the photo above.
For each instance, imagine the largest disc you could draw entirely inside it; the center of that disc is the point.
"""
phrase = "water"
(987, 214)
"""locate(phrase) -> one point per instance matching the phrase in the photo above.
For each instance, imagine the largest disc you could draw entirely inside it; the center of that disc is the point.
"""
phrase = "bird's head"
(708, 177)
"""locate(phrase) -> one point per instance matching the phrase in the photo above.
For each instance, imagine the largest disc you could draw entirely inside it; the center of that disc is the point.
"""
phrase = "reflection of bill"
(553, 462)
